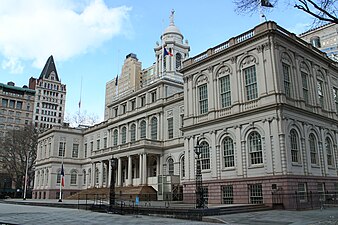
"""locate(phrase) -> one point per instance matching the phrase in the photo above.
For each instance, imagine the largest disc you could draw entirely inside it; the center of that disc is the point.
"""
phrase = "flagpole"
(80, 96)
(260, 11)
(162, 52)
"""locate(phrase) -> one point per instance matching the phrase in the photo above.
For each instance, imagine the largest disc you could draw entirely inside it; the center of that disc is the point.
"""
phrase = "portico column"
(101, 174)
(130, 177)
(145, 177)
(93, 175)
(140, 169)
(109, 174)
(119, 168)
(161, 165)
(158, 165)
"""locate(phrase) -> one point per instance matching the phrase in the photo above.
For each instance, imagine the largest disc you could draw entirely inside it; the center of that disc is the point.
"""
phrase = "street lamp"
(112, 183)
(199, 187)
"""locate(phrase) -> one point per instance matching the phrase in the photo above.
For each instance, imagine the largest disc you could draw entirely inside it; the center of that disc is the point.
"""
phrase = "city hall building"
(261, 107)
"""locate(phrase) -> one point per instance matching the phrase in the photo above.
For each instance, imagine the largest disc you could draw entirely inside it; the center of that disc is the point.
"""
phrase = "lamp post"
(199, 187)
(112, 184)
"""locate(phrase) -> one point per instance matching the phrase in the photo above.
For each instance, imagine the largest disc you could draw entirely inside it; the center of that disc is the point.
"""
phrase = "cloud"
(33, 30)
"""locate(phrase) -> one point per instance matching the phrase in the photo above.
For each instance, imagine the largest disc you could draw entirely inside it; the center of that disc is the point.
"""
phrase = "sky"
(89, 39)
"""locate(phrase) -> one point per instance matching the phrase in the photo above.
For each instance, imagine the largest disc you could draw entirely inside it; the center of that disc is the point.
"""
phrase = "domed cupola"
(172, 29)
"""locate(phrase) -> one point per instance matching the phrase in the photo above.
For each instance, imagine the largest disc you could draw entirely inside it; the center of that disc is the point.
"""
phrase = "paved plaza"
(35, 215)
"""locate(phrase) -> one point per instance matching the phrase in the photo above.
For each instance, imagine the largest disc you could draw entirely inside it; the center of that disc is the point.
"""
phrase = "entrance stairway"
(145, 193)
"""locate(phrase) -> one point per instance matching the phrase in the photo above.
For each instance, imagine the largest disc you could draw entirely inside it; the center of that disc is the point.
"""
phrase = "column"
(158, 166)
(144, 169)
(101, 175)
(109, 173)
(140, 169)
(119, 168)
(130, 177)
(93, 175)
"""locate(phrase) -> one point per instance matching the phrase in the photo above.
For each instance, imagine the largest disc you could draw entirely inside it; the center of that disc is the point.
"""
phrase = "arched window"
(205, 155)
(182, 166)
(294, 146)
(178, 60)
(96, 175)
(58, 176)
(143, 131)
(313, 149)
(154, 128)
(287, 80)
(328, 146)
(84, 177)
(115, 138)
(89, 176)
(250, 83)
(228, 152)
(133, 132)
(203, 98)
(124, 135)
(255, 148)
(170, 166)
(225, 91)
(73, 177)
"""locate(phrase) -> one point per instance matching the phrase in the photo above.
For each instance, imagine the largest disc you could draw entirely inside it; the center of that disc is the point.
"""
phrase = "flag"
(80, 103)
(266, 3)
(117, 77)
(167, 52)
(62, 176)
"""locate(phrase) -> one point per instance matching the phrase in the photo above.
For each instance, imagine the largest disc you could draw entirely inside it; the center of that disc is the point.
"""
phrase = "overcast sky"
(89, 39)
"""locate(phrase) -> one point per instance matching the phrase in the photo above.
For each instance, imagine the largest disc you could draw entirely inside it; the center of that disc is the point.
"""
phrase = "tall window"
(143, 100)
(91, 146)
(182, 167)
(205, 156)
(58, 176)
(255, 148)
(105, 142)
(250, 83)
(89, 176)
(294, 146)
(170, 127)
(225, 91)
(203, 98)
(305, 88)
(228, 151)
(170, 166)
(85, 150)
(154, 128)
(178, 60)
(62, 148)
(302, 192)
(133, 132)
(75, 152)
(153, 96)
(335, 97)
(320, 92)
(84, 177)
(143, 131)
(98, 144)
(124, 135)
(115, 137)
(313, 149)
(73, 177)
(286, 75)
(328, 146)
(96, 175)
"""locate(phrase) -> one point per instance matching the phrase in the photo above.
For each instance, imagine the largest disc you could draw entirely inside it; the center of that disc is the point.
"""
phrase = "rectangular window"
(75, 152)
(256, 193)
(335, 98)
(321, 188)
(62, 148)
(85, 150)
(153, 96)
(143, 100)
(203, 98)
(116, 112)
(250, 83)
(302, 192)
(4, 103)
(225, 91)
(105, 142)
(305, 88)
(98, 144)
(286, 75)
(228, 194)
(91, 146)
(170, 128)
(18, 105)
(205, 195)
(320, 93)
(133, 104)
(124, 108)
(11, 104)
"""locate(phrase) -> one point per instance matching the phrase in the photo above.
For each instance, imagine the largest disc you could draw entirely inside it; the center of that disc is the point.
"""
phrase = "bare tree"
(81, 118)
(17, 151)
(320, 10)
